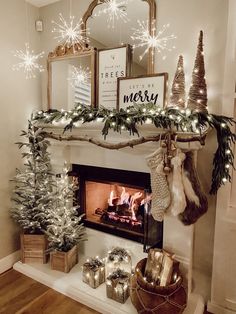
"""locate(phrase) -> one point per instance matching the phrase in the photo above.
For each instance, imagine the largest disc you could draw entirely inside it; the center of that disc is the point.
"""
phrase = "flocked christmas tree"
(197, 99)
(65, 229)
(177, 98)
(33, 196)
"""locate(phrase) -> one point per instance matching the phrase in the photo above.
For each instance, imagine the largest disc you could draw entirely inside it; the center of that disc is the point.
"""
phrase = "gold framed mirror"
(71, 77)
(102, 36)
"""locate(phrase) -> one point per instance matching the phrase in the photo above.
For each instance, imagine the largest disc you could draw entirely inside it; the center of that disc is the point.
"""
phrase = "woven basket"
(148, 298)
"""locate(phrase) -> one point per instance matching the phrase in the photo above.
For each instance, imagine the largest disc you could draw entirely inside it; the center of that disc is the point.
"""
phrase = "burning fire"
(132, 201)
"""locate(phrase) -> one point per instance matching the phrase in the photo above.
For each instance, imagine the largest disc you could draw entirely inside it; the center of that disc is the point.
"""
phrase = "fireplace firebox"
(118, 202)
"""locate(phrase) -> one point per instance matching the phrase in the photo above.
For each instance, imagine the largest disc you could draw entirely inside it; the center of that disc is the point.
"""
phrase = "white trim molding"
(217, 309)
(8, 261)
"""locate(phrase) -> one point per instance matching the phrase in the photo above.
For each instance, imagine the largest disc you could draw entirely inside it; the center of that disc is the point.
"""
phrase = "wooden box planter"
(152, 299)
(64, 261)
(33, 248)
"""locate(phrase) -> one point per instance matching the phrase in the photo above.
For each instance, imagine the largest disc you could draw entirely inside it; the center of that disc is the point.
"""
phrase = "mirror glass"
(71, 82)
(106, 32)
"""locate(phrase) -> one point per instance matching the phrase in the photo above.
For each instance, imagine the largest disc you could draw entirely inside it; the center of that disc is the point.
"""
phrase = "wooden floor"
(22, 295)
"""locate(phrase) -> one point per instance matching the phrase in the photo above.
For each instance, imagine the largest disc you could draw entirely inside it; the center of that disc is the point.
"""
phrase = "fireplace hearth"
(118, 202)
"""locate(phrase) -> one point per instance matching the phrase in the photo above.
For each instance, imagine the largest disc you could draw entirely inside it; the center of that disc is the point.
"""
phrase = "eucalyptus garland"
(174, 119)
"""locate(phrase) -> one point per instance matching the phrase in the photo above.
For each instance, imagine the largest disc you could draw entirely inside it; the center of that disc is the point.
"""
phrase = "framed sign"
(113, 63)
(142, 90)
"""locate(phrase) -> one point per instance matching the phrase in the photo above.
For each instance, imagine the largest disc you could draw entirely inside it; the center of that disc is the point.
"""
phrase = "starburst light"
(79, 75)
(115, 10)
(148, 39)
(29, 62)
(70, 33)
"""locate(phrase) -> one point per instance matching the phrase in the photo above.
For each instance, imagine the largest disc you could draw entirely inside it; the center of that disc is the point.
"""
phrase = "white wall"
(18, 97)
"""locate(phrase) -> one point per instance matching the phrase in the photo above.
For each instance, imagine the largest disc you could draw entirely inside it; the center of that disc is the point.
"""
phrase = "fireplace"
(118, 202)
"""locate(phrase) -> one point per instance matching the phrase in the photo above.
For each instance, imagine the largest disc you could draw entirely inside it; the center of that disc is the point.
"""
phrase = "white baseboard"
(8, 261)
(217, 309)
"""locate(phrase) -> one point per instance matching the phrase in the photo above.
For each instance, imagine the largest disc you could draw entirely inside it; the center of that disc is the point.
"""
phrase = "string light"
(148, 39)
(115, 11)
(70, 33)
(29, 62)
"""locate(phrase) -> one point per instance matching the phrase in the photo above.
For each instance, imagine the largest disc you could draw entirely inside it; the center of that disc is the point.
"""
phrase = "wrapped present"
(117, 285)
(94, 272)
(118, 258)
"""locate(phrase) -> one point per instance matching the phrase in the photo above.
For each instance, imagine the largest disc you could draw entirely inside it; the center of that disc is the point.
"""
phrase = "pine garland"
(129, 119)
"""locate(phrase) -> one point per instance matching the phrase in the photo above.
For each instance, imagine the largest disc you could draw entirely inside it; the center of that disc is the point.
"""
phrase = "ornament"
(197, 99)
(167, 170)
(148, 39)
(29, 62)
(70, 33)
(177, 98)
(114, 10)
(79, 75)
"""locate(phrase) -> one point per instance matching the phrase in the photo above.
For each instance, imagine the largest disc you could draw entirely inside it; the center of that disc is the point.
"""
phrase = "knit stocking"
(159, 185)
(194, 210)
(178, 202)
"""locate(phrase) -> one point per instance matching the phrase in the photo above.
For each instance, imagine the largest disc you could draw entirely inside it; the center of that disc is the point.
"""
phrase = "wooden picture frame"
(142, 90)
(61, 54)
(112, 63)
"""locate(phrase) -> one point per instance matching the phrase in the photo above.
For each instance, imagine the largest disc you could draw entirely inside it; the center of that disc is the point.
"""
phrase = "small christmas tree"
(177, 98)
(197, 99)
(65, 229)
(33, 197)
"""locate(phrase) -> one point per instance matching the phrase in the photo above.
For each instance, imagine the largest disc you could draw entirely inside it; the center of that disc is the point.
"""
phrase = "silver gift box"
(93, 275)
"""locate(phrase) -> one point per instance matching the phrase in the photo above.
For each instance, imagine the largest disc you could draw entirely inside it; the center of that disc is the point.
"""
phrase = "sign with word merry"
(142, 90)
(112, 64)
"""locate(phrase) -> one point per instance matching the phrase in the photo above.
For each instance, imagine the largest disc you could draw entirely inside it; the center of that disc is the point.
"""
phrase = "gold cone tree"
(177, 97)
(197, 99)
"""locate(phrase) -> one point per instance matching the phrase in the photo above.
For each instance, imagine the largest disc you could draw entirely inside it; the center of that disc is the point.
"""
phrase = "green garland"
(168, 118)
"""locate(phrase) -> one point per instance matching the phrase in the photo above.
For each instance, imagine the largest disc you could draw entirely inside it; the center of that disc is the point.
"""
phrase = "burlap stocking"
(159, 185)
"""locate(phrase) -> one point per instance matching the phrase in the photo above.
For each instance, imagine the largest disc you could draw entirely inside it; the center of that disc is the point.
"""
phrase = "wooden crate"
(33, 248)
(64, 261)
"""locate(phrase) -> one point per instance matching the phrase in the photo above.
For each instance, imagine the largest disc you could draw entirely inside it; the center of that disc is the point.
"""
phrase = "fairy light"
(29, 62)
(188, 112)
(148, 121)
(115, 11)
(147, 39)
(79, 75)
(228, 152)
(227, 166)
(224, 180)
(70, 32)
